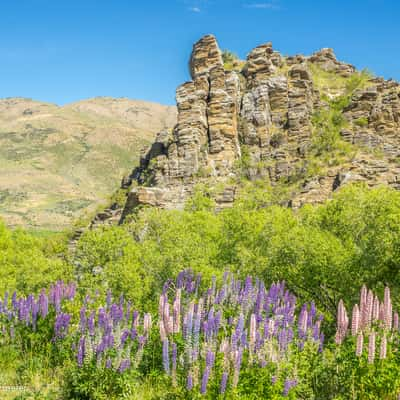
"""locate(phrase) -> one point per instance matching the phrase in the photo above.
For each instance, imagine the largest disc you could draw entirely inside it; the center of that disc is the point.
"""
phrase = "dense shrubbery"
(29, 262)
(324, 253)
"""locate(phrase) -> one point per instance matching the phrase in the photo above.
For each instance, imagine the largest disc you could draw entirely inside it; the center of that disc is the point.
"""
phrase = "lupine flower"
(81, 351)
(189, 382)
(204, 380)
(289, 384)
(125, 364)
(383, 349)
(355, 320)
(224, 381)
(387, 309)
(174, 356)
(371, 347)
(375, 309)
(342, 323)
(61, 325)
(82, 320)
(360, 342)
(166, 356)
(395, 321)
(147, 323)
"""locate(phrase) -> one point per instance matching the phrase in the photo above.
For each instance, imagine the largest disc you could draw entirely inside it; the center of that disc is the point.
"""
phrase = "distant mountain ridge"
(58, 161)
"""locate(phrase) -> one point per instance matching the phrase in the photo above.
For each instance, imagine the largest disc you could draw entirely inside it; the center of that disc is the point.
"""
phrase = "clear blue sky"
(65, 50)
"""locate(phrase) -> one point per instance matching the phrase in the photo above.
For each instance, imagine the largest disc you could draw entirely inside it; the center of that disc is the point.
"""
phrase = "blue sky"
(65, 50)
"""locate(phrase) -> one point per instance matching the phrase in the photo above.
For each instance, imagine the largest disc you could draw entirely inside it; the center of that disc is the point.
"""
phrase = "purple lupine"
(81, 351)
(142, 340)
(82, 319)
(91, 323)
(135, 318)
(35, 312)
(101, 347)
(109, 298)
(5, 303)
(237, 366)
(289, 384)
(189, 382)
(125, 364)
(204, 380)
(321, 342)
(166, 356)
(174, 357)
(61, 325)
(224, 381)
(14, 301)
(124, 336)
(210, 359)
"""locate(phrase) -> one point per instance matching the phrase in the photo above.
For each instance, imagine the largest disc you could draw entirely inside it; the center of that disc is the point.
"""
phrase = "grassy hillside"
(57, 162)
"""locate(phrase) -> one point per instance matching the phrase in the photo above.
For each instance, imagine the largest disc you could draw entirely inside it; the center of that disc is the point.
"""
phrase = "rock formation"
(265, 108)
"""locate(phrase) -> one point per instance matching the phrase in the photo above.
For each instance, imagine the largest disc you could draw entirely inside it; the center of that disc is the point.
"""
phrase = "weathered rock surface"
(266, 108)
(326, 59)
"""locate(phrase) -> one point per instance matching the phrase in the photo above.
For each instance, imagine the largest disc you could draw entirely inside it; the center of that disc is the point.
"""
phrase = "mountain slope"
(56, 162)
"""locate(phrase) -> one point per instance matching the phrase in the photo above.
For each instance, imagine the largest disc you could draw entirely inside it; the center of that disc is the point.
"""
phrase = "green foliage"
(28, 263)
(232, 61)
(361, 122)
(346, 376)
(327, 146)
(111, 259)
(324, 253)
(93, 383)
(200, 200)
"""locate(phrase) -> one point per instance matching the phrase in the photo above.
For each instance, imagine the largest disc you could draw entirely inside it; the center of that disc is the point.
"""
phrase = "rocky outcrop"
(265, 109)
(326, 59)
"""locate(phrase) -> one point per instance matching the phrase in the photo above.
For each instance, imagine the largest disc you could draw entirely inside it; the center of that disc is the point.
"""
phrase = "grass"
(332, 85)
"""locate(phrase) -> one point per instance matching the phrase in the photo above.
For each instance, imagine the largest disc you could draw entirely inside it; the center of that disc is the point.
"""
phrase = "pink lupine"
(371, 347)
(370, 303)
(161, 305)
(363, 299)
(163, 333)
(303, 318)
(342, 323)
(386, 298)
(147, 323)
(360, 343)
(253, 330)
(355, 320)
(382, 354)
(166, 318)
(387, 309)
(396, 321)
(177, 311)
(375, 309)
(382, 313)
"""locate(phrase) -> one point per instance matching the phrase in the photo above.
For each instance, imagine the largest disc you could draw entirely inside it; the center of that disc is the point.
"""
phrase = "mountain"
(59, 162)
(299, 126)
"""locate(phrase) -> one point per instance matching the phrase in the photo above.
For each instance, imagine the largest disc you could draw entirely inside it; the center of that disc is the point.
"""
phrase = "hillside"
(299, 126)
(58, 162)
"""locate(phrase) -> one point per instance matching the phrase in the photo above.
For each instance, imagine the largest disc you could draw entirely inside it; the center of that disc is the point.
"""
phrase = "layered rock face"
(266, 108)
